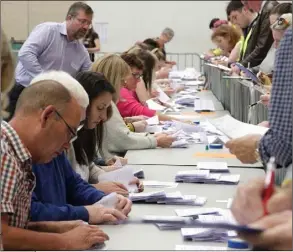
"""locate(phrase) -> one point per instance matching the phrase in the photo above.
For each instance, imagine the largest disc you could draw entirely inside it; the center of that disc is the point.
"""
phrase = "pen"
(253, 104)
(269, 184)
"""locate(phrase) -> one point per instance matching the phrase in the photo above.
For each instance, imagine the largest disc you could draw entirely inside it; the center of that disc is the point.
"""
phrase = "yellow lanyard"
(244, 44)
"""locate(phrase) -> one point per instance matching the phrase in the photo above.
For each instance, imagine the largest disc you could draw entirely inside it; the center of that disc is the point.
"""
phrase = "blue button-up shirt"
(277, 142)
(48, 48)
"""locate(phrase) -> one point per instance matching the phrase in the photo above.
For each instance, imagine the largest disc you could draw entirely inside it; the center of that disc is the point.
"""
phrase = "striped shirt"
(17, 178)
(48, 48)
(277, 142)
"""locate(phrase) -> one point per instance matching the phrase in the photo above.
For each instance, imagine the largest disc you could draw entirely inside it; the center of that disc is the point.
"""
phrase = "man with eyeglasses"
(258, 38)
(37, 134)
(53, 46)
(60, 193)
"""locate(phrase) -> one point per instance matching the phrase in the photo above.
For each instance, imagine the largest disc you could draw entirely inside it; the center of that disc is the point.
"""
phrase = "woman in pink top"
(129, 104)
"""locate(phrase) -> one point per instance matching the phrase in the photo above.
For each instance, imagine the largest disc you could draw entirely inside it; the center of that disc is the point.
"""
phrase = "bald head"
(40, 95)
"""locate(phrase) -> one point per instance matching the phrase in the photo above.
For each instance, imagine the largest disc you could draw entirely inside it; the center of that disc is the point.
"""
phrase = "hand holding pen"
(269, 184)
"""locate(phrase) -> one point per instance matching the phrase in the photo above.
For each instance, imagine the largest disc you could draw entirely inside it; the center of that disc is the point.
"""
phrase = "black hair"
(282, 8)
(151, 44)
(85, 146)
(75, 7)
(213, 21)
(234, 5)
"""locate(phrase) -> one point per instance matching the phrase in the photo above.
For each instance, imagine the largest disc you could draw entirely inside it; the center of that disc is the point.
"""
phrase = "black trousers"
(13, 95)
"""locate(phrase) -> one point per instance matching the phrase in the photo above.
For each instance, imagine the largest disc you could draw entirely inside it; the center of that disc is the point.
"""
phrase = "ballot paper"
(182, 143)
(194, 82)
(200, 248)
(154, 106)
(153, 120)
(200, 229)
(201, 105)
(123, 175)
(235, 129)
(159, 184)
(218, 139)
(139, 174)
(144, 196)
(187, 100)
(194, 212)
(206, 234)
(154, 128)
(186, 127)
(118, 163)
(173, 198)
(109, 201)
(205, 176)
(226, 69)
(213, 166)
(163, 97)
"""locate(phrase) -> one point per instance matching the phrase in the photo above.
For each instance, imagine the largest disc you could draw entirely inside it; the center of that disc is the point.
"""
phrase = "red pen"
(269, 184)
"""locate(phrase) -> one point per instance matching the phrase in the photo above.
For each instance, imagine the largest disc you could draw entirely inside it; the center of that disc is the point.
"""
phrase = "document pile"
(201, 105)
(206, 177)
(174, 198)
(213, 166)
(153, 125)
(186, 100)
(234, 128)
(211, 234)
(122, 175)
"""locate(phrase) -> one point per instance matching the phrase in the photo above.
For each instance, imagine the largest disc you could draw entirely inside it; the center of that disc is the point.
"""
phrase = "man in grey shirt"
(53, 46)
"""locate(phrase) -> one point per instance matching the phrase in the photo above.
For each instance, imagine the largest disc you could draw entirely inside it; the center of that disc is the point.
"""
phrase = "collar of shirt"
(63, 29)
(21, 151)
(262, 6)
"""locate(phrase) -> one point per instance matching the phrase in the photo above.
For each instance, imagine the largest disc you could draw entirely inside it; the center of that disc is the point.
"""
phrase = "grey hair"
(75, 7)
(169, 32)
(75, 89)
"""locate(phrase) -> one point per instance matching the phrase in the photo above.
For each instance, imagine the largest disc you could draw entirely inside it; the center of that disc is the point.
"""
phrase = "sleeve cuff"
(82, 213)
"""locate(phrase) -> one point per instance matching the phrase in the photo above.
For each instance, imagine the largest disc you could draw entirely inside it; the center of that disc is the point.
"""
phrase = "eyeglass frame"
(280, 21)
(73, 133)
(137, 75)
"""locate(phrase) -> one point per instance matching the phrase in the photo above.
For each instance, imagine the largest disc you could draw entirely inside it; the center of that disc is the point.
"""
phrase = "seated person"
(36, 110)
(60, 193)
(117, 138)
(128, 104)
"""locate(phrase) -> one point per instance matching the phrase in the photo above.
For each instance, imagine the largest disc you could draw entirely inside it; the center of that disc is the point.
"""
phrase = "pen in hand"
(253, 104)
(269, 184)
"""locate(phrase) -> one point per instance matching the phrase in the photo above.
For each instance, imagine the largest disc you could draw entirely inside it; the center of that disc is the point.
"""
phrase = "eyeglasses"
(84, 22)
(72, 132)
(136, 75)
(282, 23)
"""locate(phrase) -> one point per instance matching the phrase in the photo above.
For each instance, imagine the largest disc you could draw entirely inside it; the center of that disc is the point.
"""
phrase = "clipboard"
(249, 74)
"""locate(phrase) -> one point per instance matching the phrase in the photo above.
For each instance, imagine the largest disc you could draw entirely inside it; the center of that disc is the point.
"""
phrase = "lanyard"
(246, 39)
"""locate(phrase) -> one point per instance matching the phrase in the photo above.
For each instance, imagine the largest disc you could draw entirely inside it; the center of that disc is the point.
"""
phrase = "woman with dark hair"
(91, 41)
(89, 139)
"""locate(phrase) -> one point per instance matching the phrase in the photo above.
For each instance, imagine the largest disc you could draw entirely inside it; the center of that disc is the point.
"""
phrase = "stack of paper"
(123, 175)
(182, 143)
(186, 100)
(147, 196)
(206, 234)
(213, 166)
(195, 212)
(188, 128)
(159, 184)
(174, 198)
(153, 120)
(205, 176)
(154, 128)
(154, 106)
(203, 105)
(139, 174)
(234, 128)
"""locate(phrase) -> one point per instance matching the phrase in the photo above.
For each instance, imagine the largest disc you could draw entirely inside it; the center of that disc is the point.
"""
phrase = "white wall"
(130, 21)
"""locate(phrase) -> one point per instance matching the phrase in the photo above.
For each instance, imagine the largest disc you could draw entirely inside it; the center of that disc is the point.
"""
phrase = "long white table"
(149, 237)
(162, 165)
